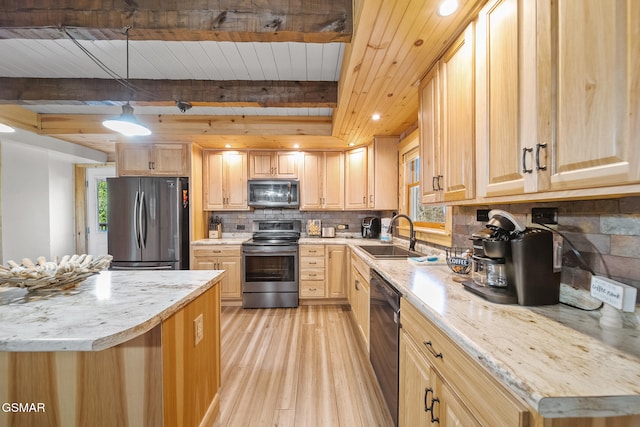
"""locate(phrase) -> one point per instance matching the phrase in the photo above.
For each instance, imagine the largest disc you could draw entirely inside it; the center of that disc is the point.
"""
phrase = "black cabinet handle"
(538, 147)
(524, 160)
(433, 418)
(427, 407)
(433, 183)
(429, 346)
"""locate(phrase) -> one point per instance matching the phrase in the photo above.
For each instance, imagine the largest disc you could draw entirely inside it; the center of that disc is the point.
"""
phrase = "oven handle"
(265, 251)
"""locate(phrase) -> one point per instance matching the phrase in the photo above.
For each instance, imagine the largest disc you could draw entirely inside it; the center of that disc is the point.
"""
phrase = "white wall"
(37, 203)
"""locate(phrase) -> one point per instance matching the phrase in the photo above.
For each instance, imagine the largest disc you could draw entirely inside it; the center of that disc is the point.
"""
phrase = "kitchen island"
(123, 348)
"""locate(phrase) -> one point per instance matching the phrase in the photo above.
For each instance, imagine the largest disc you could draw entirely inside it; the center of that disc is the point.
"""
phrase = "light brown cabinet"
(371, 175)
(152, 159)
(556, 103)
(221, 257)
(322, 181)
(446, 120)
(224, 180)
(359, 296)
(273, 164)
(336, 271)
(312, 271)
(452, 387)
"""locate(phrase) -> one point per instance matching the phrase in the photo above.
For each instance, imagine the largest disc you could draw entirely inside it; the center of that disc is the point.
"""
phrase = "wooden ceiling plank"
(263, 93)
(277, 20)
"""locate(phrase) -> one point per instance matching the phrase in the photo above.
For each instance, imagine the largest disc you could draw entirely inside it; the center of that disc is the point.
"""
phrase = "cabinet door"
(333, 181)
(213, 180)
(134, 159)
(499, 124)
(286, 165)
(588, 105)
(382, 172)
(429, 124)
(416, 386)
(356, 186)
(235, 180)
(310, 182)
(458, 136)
(170, 159)
(204, 263)
(231, 287)
(336, 271)
(451, 411)
(260, 165)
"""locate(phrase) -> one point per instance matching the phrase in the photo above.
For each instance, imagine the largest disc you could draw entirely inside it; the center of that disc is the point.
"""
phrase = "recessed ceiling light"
(296, 145)
(351, 144)
(227, 145)
(376, 116)
(6, 129)
(447, 7)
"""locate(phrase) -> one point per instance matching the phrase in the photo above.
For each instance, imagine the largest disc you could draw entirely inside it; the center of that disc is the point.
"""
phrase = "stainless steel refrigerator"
(148, 223)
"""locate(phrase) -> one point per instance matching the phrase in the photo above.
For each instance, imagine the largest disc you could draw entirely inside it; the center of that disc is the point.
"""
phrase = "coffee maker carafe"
(513, 264)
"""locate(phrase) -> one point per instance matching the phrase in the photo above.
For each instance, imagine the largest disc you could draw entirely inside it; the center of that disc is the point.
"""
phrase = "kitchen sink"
(389, 252)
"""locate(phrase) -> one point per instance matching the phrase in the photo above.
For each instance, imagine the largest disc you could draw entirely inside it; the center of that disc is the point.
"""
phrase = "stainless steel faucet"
(412, 233)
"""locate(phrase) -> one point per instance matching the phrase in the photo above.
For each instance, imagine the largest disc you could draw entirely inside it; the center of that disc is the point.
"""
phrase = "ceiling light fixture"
(447, 7)
(126, 123)
(376, 116)
(6, 129)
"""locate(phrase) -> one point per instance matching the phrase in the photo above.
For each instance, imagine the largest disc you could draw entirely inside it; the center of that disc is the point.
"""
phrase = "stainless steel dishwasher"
(385, 338)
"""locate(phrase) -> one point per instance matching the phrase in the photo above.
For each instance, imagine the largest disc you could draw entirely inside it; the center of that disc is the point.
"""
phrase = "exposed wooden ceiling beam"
(205, 92)
(191, 125)
(218, 20)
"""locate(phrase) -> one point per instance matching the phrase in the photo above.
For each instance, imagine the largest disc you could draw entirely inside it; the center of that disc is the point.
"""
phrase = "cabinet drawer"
(312, 289)
(361, 266)
(312, 250)
(216, 250)
(311, 274)
(470, 380)
(311, 262)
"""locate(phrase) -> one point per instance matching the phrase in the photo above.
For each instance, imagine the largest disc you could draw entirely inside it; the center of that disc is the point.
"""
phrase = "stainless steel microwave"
(274, 193)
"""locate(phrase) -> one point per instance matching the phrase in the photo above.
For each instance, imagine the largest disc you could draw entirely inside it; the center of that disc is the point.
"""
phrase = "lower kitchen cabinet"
(323, 269)
(336, 271)
(452, 388)
(359, 296)
(425, 399)
(221, 257)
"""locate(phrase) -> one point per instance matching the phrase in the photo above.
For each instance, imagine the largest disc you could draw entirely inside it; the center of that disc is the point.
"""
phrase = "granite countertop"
(103, 311)
(557, 358)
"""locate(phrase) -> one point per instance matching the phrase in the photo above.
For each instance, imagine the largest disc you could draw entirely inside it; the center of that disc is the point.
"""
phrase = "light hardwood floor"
(296, 367)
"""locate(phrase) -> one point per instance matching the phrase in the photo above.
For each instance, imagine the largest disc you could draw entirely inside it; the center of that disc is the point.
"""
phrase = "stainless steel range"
(270, 265)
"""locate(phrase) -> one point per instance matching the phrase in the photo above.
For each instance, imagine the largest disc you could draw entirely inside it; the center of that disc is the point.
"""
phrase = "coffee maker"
(370, 227)
(513, 264)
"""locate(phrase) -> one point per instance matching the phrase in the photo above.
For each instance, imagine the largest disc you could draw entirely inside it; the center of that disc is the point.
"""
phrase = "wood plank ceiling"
(257, 74)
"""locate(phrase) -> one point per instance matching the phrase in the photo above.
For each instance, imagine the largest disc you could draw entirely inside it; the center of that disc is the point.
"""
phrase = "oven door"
(269, 276)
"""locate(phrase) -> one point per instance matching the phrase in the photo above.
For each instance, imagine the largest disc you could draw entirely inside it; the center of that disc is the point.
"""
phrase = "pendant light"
(6, 128)
(126, 123)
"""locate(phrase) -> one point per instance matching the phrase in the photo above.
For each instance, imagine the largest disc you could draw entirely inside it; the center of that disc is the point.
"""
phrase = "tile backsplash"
(605, 232)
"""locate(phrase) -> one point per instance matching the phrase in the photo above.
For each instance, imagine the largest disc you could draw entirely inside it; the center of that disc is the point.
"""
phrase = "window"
(101, 187)
(422, 216)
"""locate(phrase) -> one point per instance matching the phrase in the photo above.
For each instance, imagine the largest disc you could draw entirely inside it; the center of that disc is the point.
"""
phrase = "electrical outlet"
(482, 215)
(239, 226)
(198, 329)
(616, 294)
(343, 226)
(544, 215)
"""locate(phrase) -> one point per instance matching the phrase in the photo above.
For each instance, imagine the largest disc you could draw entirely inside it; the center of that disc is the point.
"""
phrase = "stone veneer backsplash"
(605, 232)
(231, 220)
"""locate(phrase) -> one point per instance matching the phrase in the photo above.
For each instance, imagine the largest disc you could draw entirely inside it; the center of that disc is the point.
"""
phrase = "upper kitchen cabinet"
(588, 68)
(322, 181)
(371, 175)
(224, 180)
(273, 164)
(382, 173)
(446, 120)
(152, 159)
(502, 129)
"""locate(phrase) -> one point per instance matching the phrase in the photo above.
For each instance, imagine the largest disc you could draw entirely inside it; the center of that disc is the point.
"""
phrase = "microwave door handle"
(289, 192)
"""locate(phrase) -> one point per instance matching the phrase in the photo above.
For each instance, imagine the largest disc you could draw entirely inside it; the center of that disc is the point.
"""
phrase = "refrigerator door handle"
(135, 222)
(141, 222)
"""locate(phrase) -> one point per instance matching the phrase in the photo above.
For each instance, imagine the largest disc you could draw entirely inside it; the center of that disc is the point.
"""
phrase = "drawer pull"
(312, 263)
(312, 274)
(429, 346)
(312, 289)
